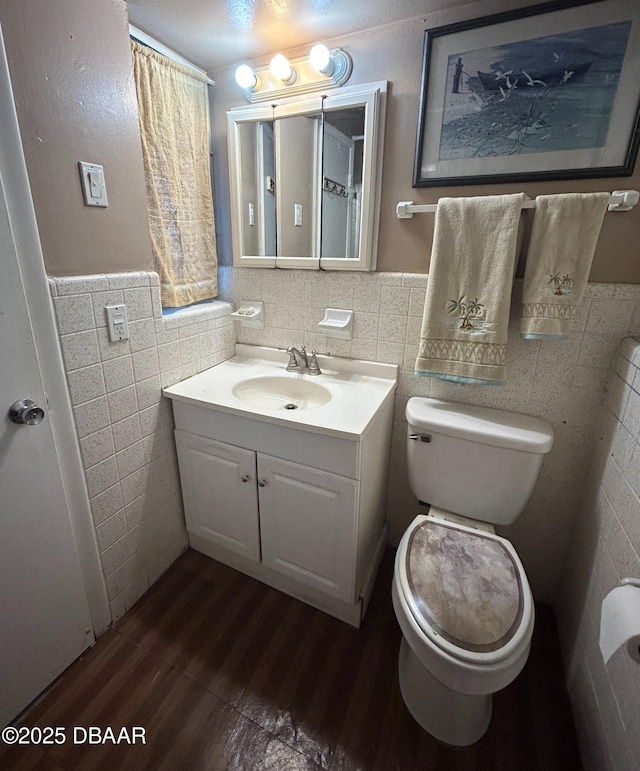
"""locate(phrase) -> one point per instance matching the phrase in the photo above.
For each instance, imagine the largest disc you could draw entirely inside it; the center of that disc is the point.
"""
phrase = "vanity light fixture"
(246, 78)
(321, 60)
(280, 68)
(334, 64)
(322, 69)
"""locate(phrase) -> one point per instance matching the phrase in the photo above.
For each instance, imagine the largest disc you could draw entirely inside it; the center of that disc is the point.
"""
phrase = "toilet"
(460, 592)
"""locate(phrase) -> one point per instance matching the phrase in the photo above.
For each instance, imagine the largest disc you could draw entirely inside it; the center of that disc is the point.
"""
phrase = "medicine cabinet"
(305, 176)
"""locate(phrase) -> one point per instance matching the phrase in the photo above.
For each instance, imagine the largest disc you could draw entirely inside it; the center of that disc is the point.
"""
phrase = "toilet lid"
(465, 586)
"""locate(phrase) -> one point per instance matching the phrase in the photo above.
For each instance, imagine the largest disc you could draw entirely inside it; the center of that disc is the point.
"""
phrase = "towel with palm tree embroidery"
(563, 241)
(466, 313)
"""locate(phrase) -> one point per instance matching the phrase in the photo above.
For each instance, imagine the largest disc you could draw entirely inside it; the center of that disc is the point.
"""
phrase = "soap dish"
(250, 314)
(337, 323)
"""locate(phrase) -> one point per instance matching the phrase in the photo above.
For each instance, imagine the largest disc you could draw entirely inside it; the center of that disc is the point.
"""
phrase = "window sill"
(180, 317)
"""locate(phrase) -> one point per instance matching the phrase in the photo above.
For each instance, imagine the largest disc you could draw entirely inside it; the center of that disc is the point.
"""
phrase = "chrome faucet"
(300, 362)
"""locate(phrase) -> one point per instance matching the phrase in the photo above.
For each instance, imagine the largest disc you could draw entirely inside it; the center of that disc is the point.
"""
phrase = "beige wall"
(70, 65)
(394, 53)
(75, 96)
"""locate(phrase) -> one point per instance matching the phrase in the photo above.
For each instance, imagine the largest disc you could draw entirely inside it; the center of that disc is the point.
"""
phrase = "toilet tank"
(477, 462)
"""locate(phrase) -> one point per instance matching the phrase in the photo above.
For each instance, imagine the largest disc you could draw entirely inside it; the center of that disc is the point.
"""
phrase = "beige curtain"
(172, 102)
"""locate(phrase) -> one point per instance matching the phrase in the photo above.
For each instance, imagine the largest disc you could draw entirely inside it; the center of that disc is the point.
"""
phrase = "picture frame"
(546, 92)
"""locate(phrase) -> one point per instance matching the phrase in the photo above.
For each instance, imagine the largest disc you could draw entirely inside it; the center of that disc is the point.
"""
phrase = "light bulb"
(280, 68)
(320, 59)
(246, 77)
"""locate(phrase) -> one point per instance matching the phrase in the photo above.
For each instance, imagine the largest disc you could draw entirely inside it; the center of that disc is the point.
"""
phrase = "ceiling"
(214, 33)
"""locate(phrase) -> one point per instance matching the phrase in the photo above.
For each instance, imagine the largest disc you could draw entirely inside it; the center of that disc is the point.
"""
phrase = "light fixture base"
(307, 81)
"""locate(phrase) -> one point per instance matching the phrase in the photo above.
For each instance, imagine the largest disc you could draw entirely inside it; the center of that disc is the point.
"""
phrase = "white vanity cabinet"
(295, 498)
(296, 520)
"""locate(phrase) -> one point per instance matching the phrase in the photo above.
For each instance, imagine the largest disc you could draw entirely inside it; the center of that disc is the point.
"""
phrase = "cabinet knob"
(262, 483)
(244, 478)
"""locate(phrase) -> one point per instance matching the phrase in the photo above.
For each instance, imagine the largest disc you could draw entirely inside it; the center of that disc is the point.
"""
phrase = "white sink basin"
(342, 401)
(281, 393)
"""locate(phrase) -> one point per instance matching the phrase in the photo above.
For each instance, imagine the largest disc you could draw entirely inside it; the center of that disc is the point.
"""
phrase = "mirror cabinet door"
(257, 172)
(298, 197)
(252, 164)
(305, 180)
(342, 152)
(353, 137)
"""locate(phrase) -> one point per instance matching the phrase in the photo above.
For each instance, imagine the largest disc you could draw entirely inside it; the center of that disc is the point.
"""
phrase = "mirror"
(305, 180)
(257, 171)
(342, 155)
(298, 167)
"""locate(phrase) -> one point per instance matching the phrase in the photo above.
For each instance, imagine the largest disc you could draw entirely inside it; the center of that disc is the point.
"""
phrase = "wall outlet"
(117, 322)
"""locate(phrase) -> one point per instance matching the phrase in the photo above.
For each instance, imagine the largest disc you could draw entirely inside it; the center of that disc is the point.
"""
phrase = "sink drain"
(291, 406)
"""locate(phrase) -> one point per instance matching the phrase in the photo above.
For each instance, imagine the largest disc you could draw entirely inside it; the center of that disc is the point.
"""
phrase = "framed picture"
(546, 92)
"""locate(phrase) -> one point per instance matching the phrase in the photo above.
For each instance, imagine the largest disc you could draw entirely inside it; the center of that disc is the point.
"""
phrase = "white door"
(308, 525)
(44, 615)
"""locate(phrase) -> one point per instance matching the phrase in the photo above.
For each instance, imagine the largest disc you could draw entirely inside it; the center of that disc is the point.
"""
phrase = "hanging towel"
(466, 312)
(563, 241)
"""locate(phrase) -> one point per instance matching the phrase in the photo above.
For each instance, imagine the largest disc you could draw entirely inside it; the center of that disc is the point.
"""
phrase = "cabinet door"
(308, 525)
(219, 493)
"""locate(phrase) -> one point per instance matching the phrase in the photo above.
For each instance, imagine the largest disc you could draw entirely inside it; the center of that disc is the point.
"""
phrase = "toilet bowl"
(460, 592)
(448, 669)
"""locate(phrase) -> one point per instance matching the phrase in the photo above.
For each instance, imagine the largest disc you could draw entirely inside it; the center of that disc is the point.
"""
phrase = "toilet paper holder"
(620, 620)
(631, 582)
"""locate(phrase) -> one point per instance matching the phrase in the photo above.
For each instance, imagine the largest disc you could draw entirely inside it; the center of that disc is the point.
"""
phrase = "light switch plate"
(93, 184)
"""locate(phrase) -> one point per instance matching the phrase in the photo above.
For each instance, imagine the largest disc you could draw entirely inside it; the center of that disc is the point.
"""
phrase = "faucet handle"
(313, 368)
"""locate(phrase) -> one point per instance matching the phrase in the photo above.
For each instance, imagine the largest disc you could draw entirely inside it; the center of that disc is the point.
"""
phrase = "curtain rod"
(142, 37)
(621, 200)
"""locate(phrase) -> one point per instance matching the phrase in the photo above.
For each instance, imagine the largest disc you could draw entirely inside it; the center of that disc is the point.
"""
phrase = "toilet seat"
(466, 590)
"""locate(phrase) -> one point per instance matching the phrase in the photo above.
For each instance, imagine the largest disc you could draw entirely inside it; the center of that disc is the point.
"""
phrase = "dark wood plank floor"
(225, 673)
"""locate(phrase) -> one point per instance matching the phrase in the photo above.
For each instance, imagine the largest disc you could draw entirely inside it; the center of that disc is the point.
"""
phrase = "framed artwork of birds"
(550, 91)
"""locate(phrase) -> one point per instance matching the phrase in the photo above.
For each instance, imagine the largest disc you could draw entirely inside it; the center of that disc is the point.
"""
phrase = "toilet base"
(454, 718)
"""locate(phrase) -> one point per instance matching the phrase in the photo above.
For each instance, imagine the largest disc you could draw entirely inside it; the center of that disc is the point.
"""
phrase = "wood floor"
(224, 673)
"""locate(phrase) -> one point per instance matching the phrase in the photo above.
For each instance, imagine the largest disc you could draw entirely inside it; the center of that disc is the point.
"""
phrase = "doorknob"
(26, 412)
(262, 483)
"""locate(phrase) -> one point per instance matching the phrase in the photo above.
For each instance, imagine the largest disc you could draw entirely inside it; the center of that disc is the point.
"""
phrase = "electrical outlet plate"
(117, 322)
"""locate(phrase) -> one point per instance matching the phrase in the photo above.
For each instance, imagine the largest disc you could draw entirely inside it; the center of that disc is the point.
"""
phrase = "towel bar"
(621, 200)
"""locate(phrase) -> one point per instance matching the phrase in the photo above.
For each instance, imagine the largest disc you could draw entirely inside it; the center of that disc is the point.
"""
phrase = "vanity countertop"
(342, 401)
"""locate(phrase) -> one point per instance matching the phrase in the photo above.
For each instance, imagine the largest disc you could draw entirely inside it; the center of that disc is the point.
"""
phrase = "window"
(173, 109)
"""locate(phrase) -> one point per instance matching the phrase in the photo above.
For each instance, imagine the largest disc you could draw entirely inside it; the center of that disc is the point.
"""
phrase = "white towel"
(563, 241)
(466, 313)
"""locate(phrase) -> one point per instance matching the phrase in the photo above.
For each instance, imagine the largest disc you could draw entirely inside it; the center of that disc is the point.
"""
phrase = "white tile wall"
(123, 423)
(605, 549)
(561, 381)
